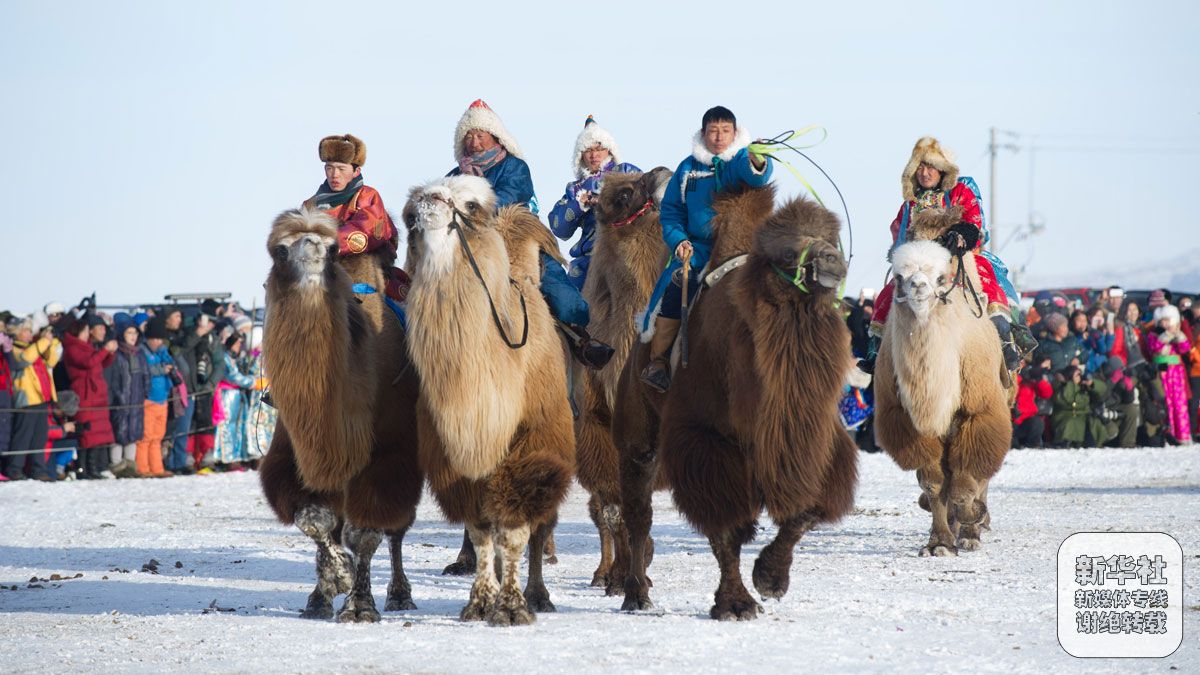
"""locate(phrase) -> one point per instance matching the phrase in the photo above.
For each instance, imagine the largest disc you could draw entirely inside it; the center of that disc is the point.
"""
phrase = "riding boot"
(587, 350)
(657, 373)
(867, 365)
(1023, 338)
(1012, 356)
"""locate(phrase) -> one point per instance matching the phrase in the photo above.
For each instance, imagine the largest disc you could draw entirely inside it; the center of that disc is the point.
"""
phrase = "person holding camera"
(33, 392)
(1033, 405)
(1120, 411)
(85, 364)
(1075, 424)
(1167, 345)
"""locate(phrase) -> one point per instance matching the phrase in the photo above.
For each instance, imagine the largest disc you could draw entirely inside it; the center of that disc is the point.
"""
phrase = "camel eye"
(625, 195)
(941, 279)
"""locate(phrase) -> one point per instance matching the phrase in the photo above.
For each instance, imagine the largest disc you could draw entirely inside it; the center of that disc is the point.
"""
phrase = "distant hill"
(1180, 272)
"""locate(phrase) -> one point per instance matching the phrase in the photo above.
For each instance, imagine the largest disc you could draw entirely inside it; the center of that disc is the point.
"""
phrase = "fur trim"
(1169, 312)
(702, 155)
(930, 151)
(480, 116)
(593, 134)
(345, 148)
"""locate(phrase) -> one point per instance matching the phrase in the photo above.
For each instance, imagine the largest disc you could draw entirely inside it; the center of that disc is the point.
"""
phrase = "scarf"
(326, 198)
(591, 181)
(480, 162)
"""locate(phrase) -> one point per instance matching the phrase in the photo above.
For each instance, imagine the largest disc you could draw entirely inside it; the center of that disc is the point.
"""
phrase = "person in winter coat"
(159, 364)
(209, 370)
(128, 388)
(1056, 344)
(1080, 350)
(1033, 392)
(1122, 412)
(596, 155)
(1168, 345)
(6, 395)
(184, 405)
(1193, 316)
(229, 408)
(363, 223)
(931, 180)
(1101, 337)
(33, 393)
(720, 160)
(1127, 342)
(1074, 423)
(483, 147)
(85, 367)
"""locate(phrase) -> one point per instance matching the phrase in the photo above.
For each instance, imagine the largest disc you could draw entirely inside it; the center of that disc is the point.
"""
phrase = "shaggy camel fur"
(753, 421)
(345, 446)
(627, 259)
(940, 406)
(494, 421)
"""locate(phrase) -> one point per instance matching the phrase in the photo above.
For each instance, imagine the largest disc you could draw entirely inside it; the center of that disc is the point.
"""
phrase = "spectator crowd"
(1112, 374)
(86, 395)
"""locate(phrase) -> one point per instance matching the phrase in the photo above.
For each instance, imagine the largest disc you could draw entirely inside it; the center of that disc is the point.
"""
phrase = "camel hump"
(518, 226)
(933, 223)
(738, 214)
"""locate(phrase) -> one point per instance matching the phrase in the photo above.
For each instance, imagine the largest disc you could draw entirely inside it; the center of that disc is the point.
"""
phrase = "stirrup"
(657, 374)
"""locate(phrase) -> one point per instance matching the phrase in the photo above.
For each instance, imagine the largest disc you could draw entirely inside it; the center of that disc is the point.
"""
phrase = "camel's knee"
(316, 520)
(930, 479)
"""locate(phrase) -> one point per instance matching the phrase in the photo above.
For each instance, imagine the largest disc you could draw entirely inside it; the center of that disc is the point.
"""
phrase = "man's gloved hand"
(960, 238)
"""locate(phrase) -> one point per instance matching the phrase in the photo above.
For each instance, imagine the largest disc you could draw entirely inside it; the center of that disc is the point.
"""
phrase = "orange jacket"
(365, 224)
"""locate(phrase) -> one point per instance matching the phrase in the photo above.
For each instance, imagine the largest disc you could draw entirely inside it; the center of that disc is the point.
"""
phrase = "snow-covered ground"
(860, 599)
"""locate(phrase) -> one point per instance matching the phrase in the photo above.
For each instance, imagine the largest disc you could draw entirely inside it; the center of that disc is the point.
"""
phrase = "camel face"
(433, 209)
(303, 245)
(922, 270)
(829, 267)
(624, 194)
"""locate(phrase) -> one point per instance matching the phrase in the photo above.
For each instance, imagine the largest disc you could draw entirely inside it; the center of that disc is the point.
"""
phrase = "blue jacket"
(568, 216)
(687, 212)
(511, 181)
(160, 381)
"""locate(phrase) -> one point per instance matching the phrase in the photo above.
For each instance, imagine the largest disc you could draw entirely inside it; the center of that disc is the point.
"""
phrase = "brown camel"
(345, 446)
(941, 406)
(628, 255)
(494, 421)
(637, 408)
(753, 421)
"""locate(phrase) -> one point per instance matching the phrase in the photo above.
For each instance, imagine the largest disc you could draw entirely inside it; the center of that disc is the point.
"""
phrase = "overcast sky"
(151, 144)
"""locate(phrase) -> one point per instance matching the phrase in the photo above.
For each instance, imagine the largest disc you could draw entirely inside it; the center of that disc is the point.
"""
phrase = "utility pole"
(993, 150)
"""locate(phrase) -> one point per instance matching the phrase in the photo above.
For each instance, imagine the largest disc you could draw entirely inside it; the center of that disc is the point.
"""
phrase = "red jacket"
(1027, 395)
(365, 224)
(85, 367)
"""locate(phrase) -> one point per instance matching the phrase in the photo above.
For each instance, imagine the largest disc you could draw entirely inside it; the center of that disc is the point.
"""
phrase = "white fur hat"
(593, 134)
(1168, 312)
(54, 308)
(480, 116)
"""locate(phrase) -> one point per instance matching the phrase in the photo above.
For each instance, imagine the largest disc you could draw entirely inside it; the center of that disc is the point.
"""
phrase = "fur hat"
(345, 148)
(931, 152)
(14, 324)
(1158, 298)
(480, 116)
(54, 308)
(593, 134)
(1168, 312)
(157, 329)
(242, 323)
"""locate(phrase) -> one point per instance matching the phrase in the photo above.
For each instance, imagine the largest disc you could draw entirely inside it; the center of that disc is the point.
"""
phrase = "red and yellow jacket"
(365, 223)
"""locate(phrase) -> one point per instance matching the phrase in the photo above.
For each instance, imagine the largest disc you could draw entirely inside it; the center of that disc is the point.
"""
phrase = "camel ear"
(279, 253)
(654, 183)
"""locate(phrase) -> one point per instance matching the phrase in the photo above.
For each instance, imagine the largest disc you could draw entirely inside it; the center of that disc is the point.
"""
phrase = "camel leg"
(620, 544)
(465, 564)
(968, 511)
(321, 524)
(733, 601)
(399, 596)
(536, 595)
(987, 515)
(550, 550)
(360, 603)
(772, 569)
(485, 588)
(638, 472)
(941, 538)
(595, 512)
(510, 608)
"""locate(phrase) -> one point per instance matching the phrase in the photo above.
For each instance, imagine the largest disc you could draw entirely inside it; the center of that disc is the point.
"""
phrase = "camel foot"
(615, 585)
(771, 581)
(510, 610)
(551, 559)
(319, 607)
(968, 544)
(474, 611)
(460, 568)
(538, 600)
(636, 600)
(358, 615)
(599, 580)
(401, 603)
(741, 609)
(986, 523)
(938, 551)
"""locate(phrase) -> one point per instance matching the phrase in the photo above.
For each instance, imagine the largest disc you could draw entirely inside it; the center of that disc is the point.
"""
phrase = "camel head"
(923, 273)
(800, 240)
(435, 209)
(625, 194)
(303, 245)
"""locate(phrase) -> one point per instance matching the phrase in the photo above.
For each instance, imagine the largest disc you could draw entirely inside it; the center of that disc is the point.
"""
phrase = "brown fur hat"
(930, 151)
(346, 149)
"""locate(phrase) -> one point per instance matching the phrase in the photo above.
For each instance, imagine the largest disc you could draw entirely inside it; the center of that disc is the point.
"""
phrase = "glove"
(960, 238)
